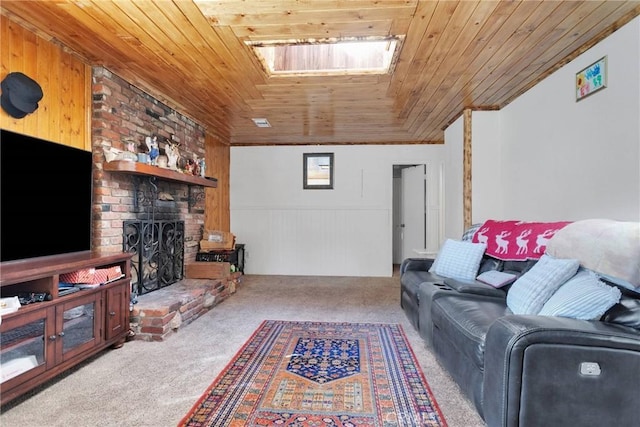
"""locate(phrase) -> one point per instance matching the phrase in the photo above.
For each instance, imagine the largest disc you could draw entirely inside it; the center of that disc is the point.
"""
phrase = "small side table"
(232, 256)
(425, 253)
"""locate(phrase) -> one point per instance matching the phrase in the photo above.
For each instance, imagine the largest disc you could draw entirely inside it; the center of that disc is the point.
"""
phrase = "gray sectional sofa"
(531, 369)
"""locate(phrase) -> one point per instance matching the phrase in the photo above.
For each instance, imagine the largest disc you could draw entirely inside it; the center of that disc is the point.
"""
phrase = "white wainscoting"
(319, 242)
(346, 231)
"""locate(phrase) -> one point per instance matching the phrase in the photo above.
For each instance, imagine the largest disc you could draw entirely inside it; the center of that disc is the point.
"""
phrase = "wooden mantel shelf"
(137, 168)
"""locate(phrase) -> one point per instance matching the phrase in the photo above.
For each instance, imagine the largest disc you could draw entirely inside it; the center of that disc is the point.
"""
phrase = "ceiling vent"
(262, 123)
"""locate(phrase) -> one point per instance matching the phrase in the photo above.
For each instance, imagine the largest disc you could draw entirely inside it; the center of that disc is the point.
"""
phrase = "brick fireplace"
(123, 114)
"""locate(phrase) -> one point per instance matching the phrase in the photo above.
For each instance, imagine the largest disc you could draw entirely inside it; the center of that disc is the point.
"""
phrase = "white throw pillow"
(458, 260)
(497, 279)
(529, 293)
(581, 297)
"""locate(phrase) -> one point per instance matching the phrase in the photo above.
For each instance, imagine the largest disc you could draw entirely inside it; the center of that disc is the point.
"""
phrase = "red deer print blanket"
(516, 240)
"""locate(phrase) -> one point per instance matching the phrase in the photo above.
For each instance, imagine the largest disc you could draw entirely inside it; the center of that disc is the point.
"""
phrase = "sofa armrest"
(543, 370)
(474, 287)
(418, 264)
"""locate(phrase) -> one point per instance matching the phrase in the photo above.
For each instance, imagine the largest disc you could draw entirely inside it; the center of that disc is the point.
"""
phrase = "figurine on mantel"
(203, 167)
(154, 150)
(143, 153)
(129, 153)
(130, 146)
(196, 165)
(172, 154)
(189, 167)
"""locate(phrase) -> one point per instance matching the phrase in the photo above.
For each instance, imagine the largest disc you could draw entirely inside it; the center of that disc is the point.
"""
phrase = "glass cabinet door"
(78, 325)
(22, 347)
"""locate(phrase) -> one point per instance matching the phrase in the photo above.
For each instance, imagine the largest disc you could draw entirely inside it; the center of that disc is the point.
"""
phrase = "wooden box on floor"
(224, 240)
(208, 270)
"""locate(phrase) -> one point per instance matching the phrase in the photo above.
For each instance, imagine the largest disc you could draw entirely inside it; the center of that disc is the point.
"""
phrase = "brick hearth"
(161, 313)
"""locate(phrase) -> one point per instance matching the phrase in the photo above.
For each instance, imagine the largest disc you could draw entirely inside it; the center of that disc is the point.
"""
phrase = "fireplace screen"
(158, 248)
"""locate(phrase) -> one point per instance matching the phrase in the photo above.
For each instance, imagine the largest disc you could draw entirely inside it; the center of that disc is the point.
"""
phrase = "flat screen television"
(46, 192)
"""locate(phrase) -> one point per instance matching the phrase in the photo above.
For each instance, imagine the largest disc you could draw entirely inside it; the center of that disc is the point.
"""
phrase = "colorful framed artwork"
(591, 79)
(317, 171)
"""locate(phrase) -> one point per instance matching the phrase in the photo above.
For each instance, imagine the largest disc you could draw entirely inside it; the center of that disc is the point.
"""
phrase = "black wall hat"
(20, 95)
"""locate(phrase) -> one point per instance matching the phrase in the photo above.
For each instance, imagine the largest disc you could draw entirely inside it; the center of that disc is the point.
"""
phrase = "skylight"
(328, 56)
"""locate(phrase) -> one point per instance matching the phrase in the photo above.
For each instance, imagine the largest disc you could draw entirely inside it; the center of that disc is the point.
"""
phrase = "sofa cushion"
(427, 293)
(420, 264)
(529, 293)
(627, 311)
(489, 263)
(464, 321)
(581, 297)
(412, 279)
(518, 267)
(474, 287)
(467, 236)
(458, 260)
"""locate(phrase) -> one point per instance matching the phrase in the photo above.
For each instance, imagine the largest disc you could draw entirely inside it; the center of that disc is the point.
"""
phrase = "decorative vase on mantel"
(162, 161)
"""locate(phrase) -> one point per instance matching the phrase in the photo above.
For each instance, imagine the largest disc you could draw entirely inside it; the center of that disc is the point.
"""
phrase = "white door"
(413, 210)
(397, 220)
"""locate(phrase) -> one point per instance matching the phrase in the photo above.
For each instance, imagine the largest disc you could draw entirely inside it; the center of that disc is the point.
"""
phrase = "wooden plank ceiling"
(455, 55)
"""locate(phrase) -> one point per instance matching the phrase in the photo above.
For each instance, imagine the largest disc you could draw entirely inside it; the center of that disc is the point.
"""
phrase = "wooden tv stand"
(42, 339)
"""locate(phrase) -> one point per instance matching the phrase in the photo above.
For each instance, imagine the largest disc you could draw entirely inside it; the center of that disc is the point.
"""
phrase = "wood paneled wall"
(64, 111)
(217, 157)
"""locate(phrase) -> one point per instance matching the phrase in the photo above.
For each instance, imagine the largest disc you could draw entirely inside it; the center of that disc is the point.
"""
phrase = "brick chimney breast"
(123, 113)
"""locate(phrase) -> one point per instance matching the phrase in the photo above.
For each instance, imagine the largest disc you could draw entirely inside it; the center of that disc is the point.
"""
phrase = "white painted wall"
(346, 231)
(546, 157)
(568, 160)
(453, 199)
(486, 170)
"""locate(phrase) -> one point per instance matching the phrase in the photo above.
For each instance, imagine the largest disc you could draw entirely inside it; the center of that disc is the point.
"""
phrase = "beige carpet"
(156, 383)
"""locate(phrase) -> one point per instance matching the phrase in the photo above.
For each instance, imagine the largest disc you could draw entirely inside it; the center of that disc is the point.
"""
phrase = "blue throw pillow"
(529, 293)
(458, 260)
(582, 297)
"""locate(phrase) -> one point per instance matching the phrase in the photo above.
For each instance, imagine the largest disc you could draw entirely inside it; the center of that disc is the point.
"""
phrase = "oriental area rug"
(320, 374)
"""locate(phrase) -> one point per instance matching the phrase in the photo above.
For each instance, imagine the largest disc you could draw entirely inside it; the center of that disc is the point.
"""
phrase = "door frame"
(394, 229)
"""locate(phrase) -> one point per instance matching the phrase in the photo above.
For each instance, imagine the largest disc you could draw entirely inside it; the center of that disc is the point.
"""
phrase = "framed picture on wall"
(591, 79)
(317, 171)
